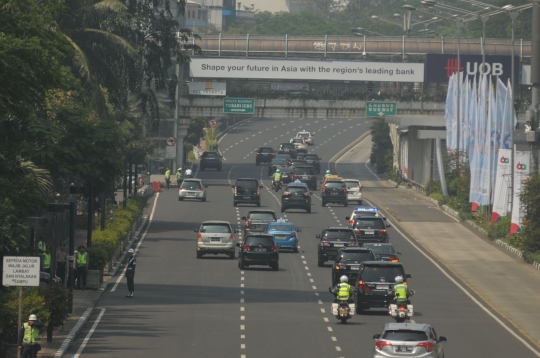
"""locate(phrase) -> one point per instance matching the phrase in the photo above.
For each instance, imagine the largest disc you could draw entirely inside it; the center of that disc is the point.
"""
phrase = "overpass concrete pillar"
(181, 133)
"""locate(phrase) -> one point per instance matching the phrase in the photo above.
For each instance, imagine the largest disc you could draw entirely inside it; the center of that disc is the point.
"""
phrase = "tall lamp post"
(34, 223)
(406, 21)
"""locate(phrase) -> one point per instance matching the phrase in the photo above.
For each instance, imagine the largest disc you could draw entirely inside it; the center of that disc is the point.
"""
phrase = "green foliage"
(98, 256)
(211, 140)
(458, 179)
(195, 131)
(437, 196)
(191, 156)
(530, 206)
(381, 150)
(433, 186)
(499, 229)
(56, 298)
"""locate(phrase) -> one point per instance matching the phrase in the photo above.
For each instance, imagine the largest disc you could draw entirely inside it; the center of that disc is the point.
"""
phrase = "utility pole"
(535, 80)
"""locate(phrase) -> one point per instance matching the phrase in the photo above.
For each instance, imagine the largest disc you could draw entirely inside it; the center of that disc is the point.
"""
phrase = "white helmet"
(328, 172)
(344, 278)
(399, 279)
(32, 317)
(277, 171)
(179, 169)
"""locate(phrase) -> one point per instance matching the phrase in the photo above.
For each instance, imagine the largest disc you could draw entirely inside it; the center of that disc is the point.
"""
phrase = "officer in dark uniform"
(130, 273)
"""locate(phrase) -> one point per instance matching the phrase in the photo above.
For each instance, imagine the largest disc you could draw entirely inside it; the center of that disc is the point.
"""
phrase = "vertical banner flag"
(476, 163)
(521, 172)
(472, 119)
(501, 196)
(450, 113)
(485, 163)
(464, 115)
(440, 166)
(404, 143)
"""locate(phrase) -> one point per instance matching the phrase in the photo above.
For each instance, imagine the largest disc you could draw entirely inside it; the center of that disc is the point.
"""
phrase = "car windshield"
(304, 171)
(356, 256)
(381, 249)
(381, 273)
(280, 228)
(339, 234)
(191, 185)
(287, 146)
(363, 223)
(248, 184)
(286, 170)
(259, 241)
(365, 213)
(210, 155)
(405, 335)
(262, 216)
(279, 161)
(311, 157)
(303, 134)
(334, 185)
(352, 184)
(297, 140)
(298, 162)
(296, 189)
(266, 150)
(216, 228)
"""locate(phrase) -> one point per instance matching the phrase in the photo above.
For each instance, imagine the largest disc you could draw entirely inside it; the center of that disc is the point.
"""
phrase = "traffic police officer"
(29, 337)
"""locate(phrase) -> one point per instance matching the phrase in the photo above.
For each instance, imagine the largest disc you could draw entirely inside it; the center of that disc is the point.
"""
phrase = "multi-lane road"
(189, 307)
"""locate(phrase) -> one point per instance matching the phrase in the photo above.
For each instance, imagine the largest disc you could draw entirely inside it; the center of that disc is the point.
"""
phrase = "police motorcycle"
(276, 185)
(188, 174)
(401, 311)
(342, 309)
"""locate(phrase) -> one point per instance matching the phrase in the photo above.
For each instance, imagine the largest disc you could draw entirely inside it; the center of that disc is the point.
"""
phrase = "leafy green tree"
(530, 206)
(381, 150)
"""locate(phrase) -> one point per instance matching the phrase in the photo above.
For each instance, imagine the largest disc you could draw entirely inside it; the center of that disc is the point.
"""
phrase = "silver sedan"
(411, 340)
(192, 189)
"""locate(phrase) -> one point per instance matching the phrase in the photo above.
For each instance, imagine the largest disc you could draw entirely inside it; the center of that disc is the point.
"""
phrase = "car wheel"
(359, 309)
(323, 203)
(258, 203)
(345, 204)
(295, 250)
(320, 263)
(231, 255)
(203, 199)
(199, 254)
(235, 203)
(359, 202)
(180, 198)
(308, 209)
(241, 265)
(275, 267)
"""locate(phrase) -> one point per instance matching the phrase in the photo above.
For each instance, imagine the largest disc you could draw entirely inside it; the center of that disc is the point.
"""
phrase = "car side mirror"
(347, 218)
(238, 244)
(318, 236)
(376, 336)
(236, 231)
(442, 339)
(384, 218)
(206, 185)
(399, 253)
(232, 186)
(261, 186)
(298, 230)
(195, 230)
(388, 225)
(408, 275)
(244, 218)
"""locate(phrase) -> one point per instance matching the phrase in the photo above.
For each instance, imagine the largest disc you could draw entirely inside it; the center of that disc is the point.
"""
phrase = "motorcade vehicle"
(192, 189)
(216, 237)
(307, 136)
(276, 163)
(354, 190)
(374, 283)
(285, 234)
(347, 262)
(333, 239)
(258, 249)
(343, 310)
(364, 210)
(264, 155)
(247, 191)
(334, 191)
(257, 220)
(401, 311)
(211, 160)
(383, 251)
(314, 160)
(331, 177)
(297, 163)
(306, 174)
(300, 145)
(414, 340)
(296, 196)
(276, 184)
(370, 229)
(287, 174)
(287, 148)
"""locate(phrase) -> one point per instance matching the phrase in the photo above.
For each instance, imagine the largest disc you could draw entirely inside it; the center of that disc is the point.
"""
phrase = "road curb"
(74, 332)
(335, 158)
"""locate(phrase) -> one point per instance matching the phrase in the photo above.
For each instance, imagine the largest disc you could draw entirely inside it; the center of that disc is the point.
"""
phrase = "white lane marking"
(241, 300)
(242, 309)
(314, 287)
(319, 301)
(89, 334)
(316, 293)
(311, 280)
(242, 327)
(303, 256)
(307, 268)
(242, 346)
(309, 274)
(139, 244)
(242, 278)
(323, 310)
(242, 336)
(304, 262)
(242, 318)
(334, 339)
(241, 292)
(338, 349)
(326, 320)
(330, 329)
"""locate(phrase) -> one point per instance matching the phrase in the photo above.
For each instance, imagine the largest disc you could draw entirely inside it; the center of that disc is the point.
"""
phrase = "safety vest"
(31, 335)
(277, 176)
(178, 175)
(41, 247)
(46, 261)
(343, 291)
(167, 174)
(327, 175)
(81, 259)
(400, 292)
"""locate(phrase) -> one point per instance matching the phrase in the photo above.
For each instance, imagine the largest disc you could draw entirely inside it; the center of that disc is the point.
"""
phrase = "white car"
(299, 143)
(308, 137)
(354, 190)
(363, 211)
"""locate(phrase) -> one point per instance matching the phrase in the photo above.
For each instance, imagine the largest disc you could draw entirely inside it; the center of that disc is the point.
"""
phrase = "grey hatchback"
(408, 340)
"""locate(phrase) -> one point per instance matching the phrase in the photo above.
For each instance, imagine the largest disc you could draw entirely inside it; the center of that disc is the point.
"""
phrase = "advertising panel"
(521, 173)
(208, 88)
(439, 67)
(251, 68)
(289, 87)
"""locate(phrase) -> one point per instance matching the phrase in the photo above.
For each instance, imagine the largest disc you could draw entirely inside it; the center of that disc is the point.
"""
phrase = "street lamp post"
(34, 223)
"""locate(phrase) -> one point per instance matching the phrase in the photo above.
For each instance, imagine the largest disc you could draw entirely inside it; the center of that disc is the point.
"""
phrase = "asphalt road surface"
(189, 307)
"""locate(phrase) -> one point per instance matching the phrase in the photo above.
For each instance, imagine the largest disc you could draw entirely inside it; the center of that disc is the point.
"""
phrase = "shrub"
(499, 229)
(432, 187)
(98, 256)
(437, 196)
(108, 239)
(56, 297)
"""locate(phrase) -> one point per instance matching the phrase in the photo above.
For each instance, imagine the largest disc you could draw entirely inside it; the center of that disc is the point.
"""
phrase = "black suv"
(287, 148)
(296, 196)
(257, 220)
(275, 164)
(247, 191)
(334, 191)
(315, 160)
(297, 162)
(211, 160)
(333, 239)
(306, 174)
(375, 279)
(258, 249)
(348, 262)
(264, 155)
(370, 229)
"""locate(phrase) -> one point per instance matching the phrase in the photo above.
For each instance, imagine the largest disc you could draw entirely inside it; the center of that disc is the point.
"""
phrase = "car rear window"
(304, 171)
(381, 273)
(259, 240)
(352, 184)
(311, 157)
(296, 189)
(279, 161)
(365, 213)
(297, 140)
(405, 335)
(248, 184)
(334, 185)
(261, 216)
(369, 223)
(280, 227)
(382, 249)
(302, 134)
(210, 155)
(266, 150)
(286, 170)
(191, 185)
(357, 256)
(216, 228)
(339, 234)
(287, 145)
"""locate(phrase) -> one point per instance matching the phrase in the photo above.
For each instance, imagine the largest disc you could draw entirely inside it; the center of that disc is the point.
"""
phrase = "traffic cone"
(159, 186)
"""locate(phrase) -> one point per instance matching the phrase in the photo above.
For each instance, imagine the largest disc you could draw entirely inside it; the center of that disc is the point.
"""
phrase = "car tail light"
(182, 188)
(393, 259)
(381, 232)
(325, 243)
(199, 237)
(351, 221)
(427, 345)
(380, 344)
(360, 187)
(273, 248)
(323, 190)
(357, 231)
(340, 266)
(306, 193)
(345, 191)
(234, 190)
(258, 191)
(292, 235)
(201, 189)
(246, 248)
(352, 243)
(231, 237)
(258, 153)
(286, 193)
(363, 286)
(246, 225)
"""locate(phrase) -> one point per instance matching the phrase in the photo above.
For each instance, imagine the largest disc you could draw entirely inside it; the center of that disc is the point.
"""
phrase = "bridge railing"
(352, 46)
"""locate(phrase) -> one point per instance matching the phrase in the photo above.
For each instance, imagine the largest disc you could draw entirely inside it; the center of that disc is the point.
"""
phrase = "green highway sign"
(239, 105)
(381, 109)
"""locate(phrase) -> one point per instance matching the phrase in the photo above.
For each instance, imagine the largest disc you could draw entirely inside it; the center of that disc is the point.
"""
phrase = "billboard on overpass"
(252, 68)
